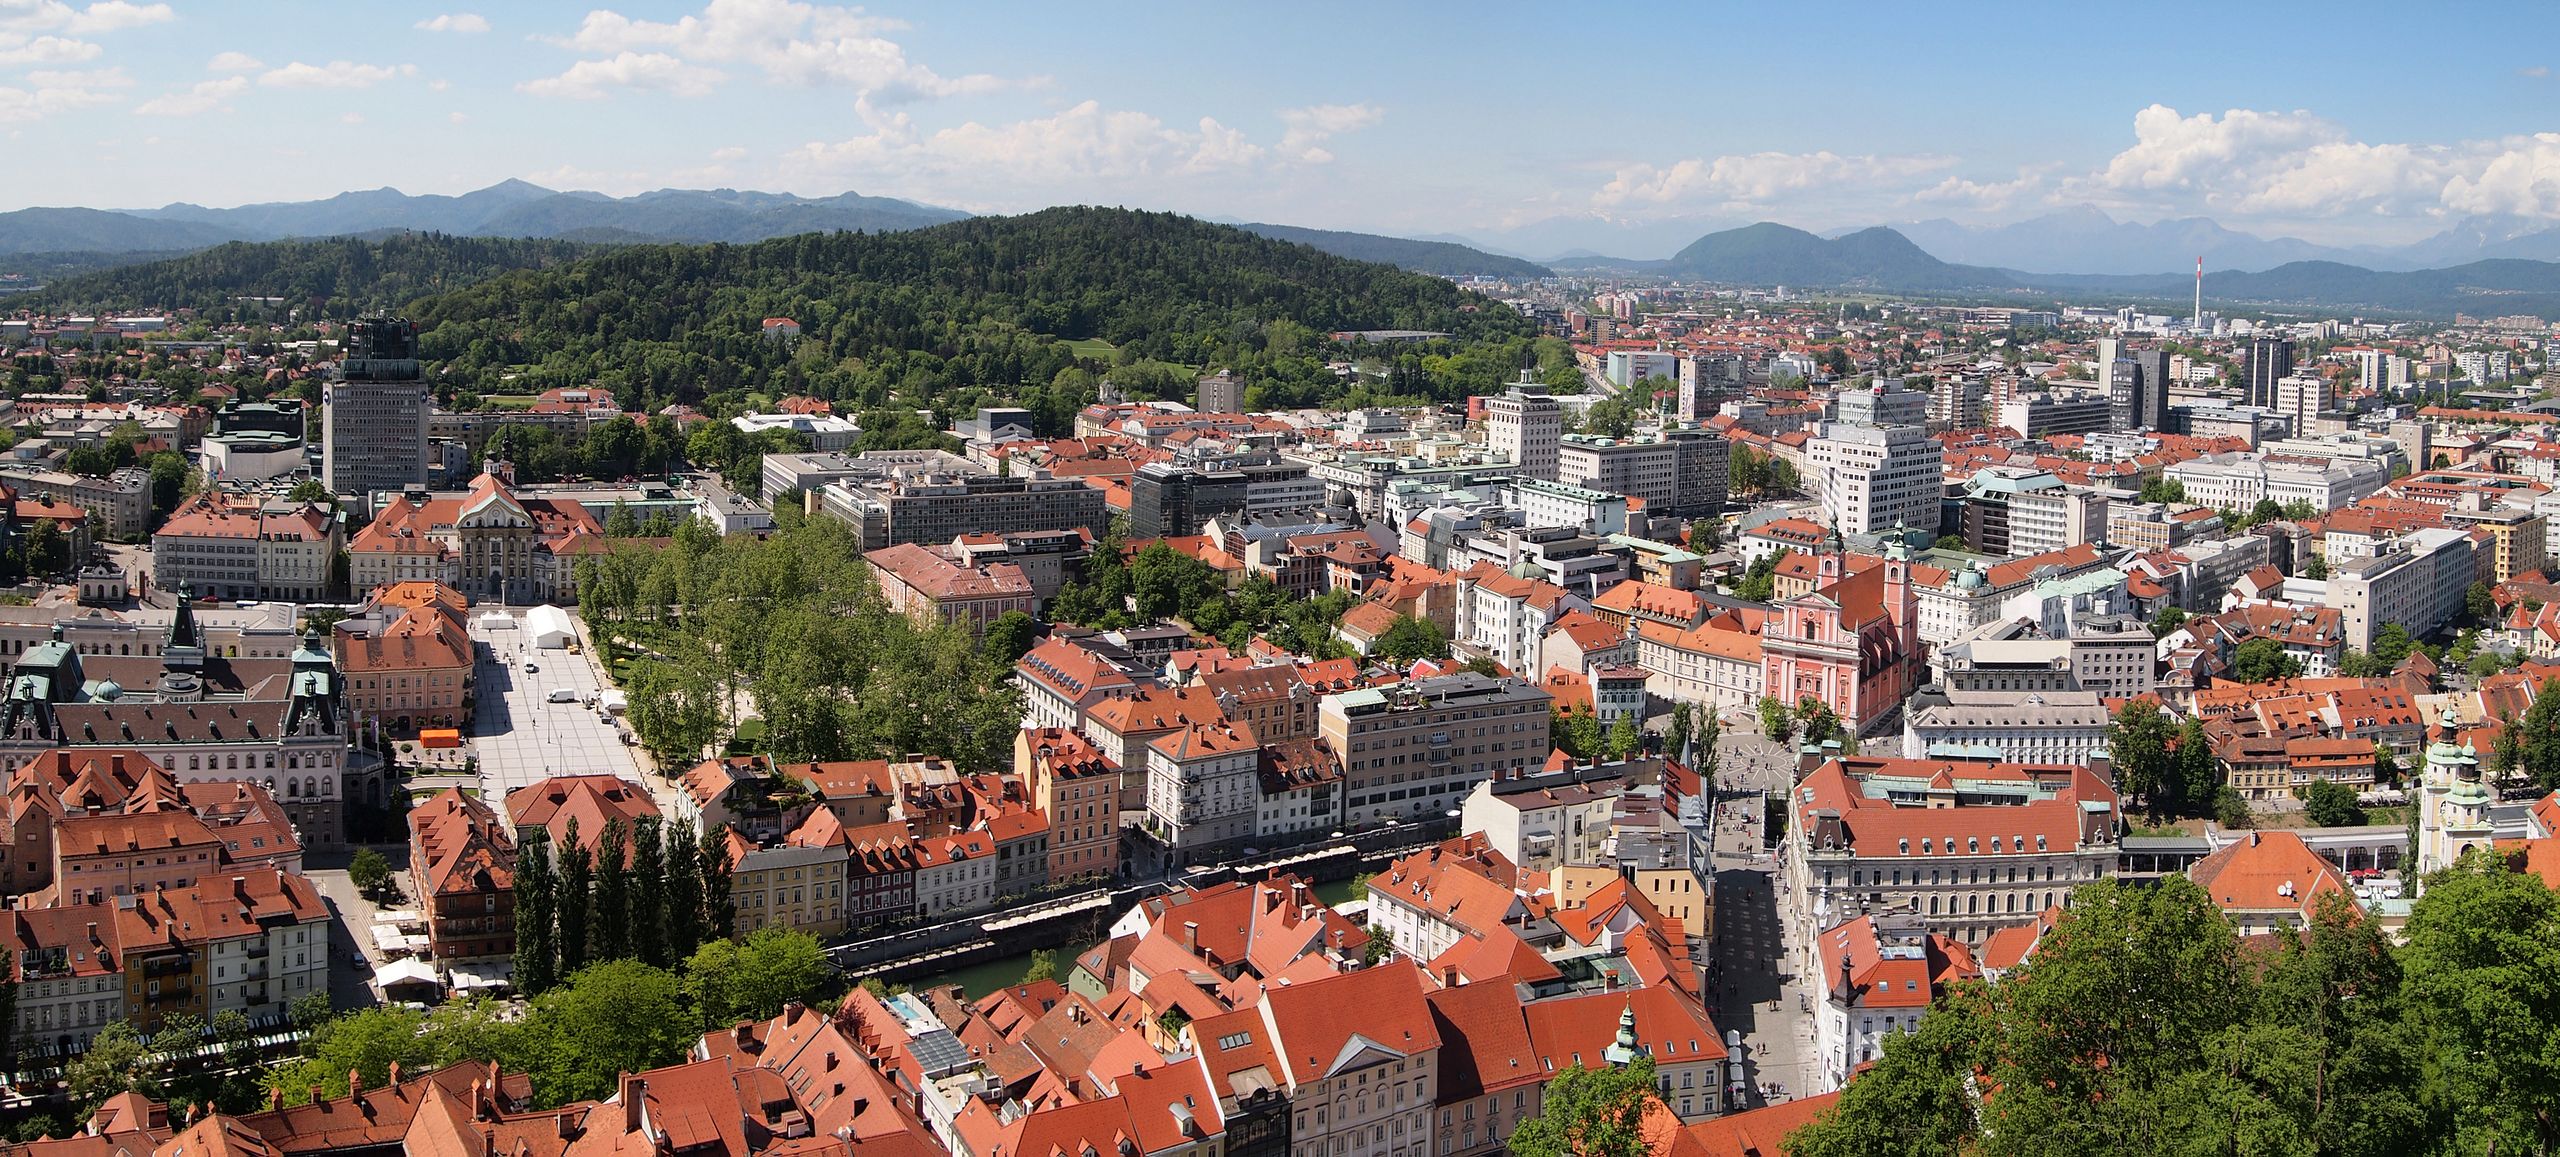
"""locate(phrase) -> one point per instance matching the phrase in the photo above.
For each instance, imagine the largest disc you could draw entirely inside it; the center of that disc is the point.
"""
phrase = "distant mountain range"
(1436, 257)
(506, 209)
(2081, 239)
(1885, 260)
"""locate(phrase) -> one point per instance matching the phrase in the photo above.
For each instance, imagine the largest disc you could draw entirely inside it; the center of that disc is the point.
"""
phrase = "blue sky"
(2340, 123)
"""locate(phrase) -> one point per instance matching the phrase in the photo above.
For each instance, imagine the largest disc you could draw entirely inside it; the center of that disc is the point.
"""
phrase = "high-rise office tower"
(2270, 361)
(1523, 425)
(373, 422)
(2151, 368)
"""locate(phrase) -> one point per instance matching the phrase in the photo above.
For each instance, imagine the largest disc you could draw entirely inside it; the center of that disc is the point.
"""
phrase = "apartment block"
(1415, 749)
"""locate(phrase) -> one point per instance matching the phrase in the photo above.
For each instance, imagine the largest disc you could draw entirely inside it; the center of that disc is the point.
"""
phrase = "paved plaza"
(520, 736)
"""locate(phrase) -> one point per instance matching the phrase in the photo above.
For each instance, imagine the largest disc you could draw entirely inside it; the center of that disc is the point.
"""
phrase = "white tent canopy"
(406, 972)
(551, 627)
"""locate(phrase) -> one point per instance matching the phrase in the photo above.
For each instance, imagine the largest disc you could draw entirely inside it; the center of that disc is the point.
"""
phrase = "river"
(987, 976)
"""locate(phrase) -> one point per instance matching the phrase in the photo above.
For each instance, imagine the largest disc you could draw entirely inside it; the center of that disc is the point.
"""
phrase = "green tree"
(115, 1061)
(2168, 620)
(2199, 773)
(609, 924)
(2357, 664)
(2263, 661)
(1408, 640)
(1746, 470)
(2481, 603)
(2119, 1002)
(2483, 943)
(1675, 737)
(1590, 1113)
(2331, 805)
(368, 871)
(620, 1016)
(1919, 1097)
(1816, 722)
(367, 1041)
(2392, 643)
(2138, 744)
(719, 915)
(1011, 636)
(2541, 739)
(752, 980)
(1044, 966)
(2315, 568)
(537, 897)
(2386, 765)
(1624, 738)
(576, 901)
(47, 552)
(649, 896)
(684, 893)
(1776, 722)
(2506, 753)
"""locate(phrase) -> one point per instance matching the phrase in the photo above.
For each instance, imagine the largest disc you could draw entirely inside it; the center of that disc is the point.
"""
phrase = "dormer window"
(1906, 847)
(2039, 843)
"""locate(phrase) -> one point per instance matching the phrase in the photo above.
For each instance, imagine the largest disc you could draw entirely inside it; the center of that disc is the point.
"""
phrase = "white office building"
(1523, 426)
(1873, 478)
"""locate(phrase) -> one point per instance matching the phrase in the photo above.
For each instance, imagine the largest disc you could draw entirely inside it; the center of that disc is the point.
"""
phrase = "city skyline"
(1482, 127)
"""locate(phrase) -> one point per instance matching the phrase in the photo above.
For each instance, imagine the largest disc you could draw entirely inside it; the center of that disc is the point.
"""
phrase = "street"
(1758, 993)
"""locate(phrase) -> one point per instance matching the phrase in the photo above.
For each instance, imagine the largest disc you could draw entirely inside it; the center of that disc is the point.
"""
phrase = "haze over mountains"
(2480, 264)
(506, 209)
(2081, 239)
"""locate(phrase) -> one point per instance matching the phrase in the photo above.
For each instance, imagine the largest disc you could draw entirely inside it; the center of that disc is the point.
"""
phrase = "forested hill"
(910, 317)
(341, 276)
(1439, 258)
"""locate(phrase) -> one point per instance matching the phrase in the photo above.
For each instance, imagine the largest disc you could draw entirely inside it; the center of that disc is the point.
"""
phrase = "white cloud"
(729, 153)
(46, 50)
(108, 15)
(592, 79)
(1756, 180)
(1311, 126)
(48, 32)
(2284, 168)
(335, 74)
(49, 93)
(204, 97)
(457, 118)
(2537, 71)
(234, 62)
(455, 22)
(790, 43)
(1084, 152)
(2521, 176)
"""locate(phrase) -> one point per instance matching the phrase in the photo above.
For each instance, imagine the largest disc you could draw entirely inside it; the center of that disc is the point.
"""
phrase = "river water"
(987, 976)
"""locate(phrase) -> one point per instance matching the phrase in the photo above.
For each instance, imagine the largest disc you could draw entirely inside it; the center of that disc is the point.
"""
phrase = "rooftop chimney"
(395, 1073)
(355, 1085)
(635, 1096)
(568, 1125)
(1191, 935)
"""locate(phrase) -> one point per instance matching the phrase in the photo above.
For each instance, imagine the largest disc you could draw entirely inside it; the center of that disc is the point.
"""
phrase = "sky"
(2340, 123)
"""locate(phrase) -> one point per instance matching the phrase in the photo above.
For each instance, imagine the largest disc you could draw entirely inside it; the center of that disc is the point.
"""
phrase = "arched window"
(292, 790)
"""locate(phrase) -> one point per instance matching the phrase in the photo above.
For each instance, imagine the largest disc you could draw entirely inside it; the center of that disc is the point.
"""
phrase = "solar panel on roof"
(939, 1051)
